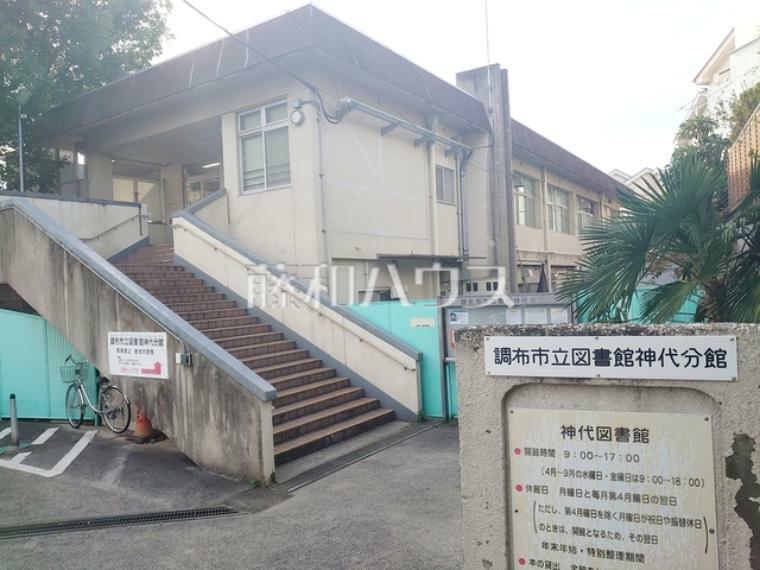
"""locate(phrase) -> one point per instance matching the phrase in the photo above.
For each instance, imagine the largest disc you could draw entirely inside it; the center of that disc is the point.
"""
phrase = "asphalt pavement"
(398, 508)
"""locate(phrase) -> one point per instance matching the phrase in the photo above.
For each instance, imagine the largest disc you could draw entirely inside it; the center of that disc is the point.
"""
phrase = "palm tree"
(681, 224)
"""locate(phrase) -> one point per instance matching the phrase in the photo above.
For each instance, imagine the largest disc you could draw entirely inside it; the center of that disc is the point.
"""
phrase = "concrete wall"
(483, 402)
(390, 370)
(107, 228)
(219, 423)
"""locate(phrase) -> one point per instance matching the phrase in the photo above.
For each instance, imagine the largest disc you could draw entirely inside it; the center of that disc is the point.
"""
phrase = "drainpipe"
(433, 199)
(545, 223)
(464, 226)
(327, 242)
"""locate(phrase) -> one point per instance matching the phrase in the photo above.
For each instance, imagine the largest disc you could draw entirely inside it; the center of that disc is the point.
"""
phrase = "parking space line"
(59, 467)
(4, 432)
(44, 436)
(19, 457)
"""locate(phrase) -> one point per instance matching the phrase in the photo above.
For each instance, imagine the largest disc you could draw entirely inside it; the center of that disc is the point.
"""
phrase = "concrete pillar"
(99, 177)
(490, 85)
(171, 181)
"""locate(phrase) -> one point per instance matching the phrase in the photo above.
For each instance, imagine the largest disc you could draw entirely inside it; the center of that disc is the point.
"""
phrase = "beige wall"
(107, 228)
(354, 194)
(539, 245)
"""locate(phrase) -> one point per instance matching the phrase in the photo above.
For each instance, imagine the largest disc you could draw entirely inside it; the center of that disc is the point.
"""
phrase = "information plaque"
(607, 490)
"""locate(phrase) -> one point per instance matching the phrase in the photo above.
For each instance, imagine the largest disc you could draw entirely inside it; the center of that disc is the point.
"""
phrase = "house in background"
(644, 178)
(733, 68)
(331, 156)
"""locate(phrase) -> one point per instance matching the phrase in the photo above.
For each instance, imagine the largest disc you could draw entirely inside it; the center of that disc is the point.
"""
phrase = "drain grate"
(94, 523)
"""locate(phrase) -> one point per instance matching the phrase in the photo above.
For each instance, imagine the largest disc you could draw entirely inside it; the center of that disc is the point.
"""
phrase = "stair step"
(186, 290)
(245, 351)
(149, 268)
(310, 390)
(315, 404)
(319, 439)
(268, 372)
(274, 358)
(200, 305)
(310, 375)
(208, 314)
(229, 331)
(319, 420)
(314, 407)
(224, 324)
(232, 341)
(168, 299)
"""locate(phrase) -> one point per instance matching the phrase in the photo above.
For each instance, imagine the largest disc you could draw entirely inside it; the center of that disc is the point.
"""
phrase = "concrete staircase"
(314, 407)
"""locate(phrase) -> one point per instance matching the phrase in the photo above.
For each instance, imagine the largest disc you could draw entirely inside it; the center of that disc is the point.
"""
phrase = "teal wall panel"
(419, 325)
(31, 354)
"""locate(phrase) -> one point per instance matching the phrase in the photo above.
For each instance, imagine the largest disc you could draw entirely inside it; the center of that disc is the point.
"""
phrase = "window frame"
(582, 214)
(553, 207)
(443, 170)
(261, 130)
(518, 196)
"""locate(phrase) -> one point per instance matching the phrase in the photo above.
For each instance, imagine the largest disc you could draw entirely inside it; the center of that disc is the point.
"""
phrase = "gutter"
(144, 301)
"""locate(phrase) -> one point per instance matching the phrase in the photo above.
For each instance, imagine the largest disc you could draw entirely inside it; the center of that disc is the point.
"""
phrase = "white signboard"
(459, 318)
(634, 357)
(138, 354)
(422, 322)
(611, 490)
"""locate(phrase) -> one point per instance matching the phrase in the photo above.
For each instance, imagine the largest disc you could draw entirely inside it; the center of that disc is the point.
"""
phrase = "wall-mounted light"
(297, 117)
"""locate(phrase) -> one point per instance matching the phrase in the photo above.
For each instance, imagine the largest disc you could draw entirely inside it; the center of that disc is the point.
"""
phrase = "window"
(525, 200)
(586, 210)
(559, 210)
(444, 184)
(264, 153)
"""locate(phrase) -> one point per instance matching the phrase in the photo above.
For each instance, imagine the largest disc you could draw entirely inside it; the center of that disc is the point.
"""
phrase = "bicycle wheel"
(74, 406)
(115, 409)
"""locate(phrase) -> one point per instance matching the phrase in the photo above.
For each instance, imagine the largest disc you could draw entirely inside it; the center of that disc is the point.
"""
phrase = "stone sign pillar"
(596, 447)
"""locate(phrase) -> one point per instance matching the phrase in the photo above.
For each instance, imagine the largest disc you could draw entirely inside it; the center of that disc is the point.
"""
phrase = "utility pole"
(20, 151)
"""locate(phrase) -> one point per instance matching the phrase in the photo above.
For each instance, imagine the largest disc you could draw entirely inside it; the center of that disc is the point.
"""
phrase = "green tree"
(53, 50)
(740, 110)
(699, 137)
(679, 225)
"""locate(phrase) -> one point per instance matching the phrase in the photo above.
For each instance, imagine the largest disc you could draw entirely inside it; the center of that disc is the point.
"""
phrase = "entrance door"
(200, 180)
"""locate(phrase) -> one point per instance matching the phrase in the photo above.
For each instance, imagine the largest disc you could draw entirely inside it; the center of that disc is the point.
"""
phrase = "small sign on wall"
(630, 357)
(138, 354)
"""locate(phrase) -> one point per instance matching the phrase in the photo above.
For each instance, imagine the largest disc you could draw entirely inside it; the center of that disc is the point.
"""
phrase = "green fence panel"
(31, 354)
(418, 324)
(686, 314)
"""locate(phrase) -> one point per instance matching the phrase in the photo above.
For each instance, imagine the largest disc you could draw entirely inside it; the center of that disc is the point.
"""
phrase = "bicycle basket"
(71, 372)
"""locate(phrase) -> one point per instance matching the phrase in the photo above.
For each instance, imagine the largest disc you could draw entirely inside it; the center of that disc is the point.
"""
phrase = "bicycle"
(113, 405)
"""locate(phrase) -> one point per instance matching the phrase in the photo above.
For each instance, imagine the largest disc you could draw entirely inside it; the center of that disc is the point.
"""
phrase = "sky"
(609, 80)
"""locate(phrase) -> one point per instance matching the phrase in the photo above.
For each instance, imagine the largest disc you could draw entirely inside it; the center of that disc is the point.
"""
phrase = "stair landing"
(314, 408)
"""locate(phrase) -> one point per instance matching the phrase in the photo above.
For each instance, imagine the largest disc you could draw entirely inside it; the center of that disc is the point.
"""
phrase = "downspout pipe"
(462, 200)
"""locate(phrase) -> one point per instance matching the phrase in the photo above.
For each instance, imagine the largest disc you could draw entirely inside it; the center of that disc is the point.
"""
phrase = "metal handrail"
(112, 228)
